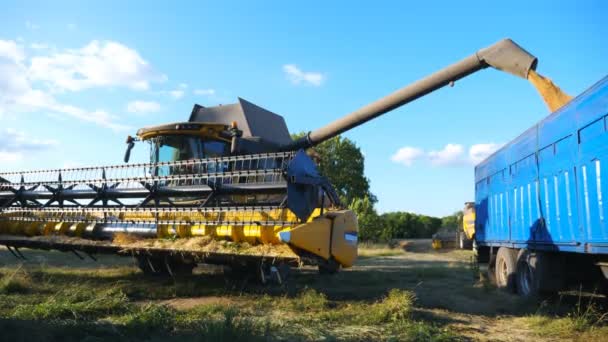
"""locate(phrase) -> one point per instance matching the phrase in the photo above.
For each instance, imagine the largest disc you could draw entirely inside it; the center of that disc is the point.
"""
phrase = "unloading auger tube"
(505, 55)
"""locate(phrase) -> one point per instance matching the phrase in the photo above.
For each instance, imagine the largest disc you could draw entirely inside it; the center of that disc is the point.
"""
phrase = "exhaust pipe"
(505, 55)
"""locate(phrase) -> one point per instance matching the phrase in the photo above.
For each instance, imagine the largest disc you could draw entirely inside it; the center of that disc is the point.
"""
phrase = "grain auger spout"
(505, 55)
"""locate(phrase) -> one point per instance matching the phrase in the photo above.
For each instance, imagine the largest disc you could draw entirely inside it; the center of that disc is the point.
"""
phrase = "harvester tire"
(329, 267)
(505, 269)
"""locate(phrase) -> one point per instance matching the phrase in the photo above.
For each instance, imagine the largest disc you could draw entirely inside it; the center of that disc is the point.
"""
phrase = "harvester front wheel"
(329, 267)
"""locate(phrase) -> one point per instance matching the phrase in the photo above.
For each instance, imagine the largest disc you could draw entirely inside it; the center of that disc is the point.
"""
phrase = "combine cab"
(228, 187)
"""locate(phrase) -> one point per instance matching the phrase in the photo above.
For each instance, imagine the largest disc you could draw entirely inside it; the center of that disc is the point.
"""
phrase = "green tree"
(452, 222)
(370, 225)
(343, 163)
(403, 225)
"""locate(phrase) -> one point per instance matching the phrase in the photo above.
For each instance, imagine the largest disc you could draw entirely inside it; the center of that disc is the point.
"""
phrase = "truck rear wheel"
(537, 273)
(505, 269)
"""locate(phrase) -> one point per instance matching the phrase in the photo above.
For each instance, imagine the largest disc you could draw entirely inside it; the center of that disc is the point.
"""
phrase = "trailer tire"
(537, 274)
(505, 269)
(491, 275)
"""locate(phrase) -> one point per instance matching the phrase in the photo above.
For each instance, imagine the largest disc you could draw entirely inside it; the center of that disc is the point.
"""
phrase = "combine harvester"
(227, 187)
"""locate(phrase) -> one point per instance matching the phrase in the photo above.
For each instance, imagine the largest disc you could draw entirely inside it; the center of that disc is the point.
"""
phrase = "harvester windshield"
(170, 148)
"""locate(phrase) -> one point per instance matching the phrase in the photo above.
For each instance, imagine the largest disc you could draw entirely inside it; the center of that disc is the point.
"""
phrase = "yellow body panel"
(436, 244)
(468, 220)
(208, 130)
(333, 235)
(344, 237)
(312, 236)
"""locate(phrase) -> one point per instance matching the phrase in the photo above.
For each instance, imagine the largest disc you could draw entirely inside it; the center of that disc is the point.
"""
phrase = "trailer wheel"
(537, 274)
(505, 269)
(527, 274)
(491, 274)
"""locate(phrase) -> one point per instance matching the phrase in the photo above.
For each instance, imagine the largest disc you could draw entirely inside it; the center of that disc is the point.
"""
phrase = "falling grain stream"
(553, 96)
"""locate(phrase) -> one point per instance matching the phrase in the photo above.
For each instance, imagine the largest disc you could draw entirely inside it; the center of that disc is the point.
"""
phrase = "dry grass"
(367, 250)
(125, 239)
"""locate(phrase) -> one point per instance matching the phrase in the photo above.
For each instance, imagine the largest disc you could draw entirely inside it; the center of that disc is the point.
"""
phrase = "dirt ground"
(446, 284)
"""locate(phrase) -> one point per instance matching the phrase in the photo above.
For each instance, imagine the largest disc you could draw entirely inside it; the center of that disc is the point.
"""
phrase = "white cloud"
(450, 155)
(142, 107)
(39, 46)
(296, 76)
(179, 92)
(12, 139)
(12, 51)
(407, 155)
(98, 64)
(204, 92)
(9, 157)
(479, 152)
(13, 144)
(19, 94)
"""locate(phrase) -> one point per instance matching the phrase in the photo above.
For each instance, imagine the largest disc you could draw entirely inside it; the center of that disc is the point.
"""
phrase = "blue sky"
(76, 78)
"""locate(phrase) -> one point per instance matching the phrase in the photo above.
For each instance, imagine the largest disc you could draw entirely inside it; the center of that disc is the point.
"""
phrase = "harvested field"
(411, 294)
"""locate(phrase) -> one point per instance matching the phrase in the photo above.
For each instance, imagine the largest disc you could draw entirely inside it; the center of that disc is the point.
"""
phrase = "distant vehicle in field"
(541, 218)
(445, 238)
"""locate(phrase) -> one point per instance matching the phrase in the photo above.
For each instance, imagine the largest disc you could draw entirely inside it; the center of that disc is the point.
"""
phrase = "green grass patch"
(78, 303)
(16, 281)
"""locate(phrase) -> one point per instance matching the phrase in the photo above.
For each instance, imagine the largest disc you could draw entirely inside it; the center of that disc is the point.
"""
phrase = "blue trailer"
(540, 201)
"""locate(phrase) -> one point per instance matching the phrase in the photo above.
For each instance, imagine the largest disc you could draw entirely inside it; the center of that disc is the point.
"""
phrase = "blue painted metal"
(306, 186)
(547, 189)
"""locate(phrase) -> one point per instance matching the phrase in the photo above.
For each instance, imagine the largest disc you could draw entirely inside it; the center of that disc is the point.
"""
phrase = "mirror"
(130, 144)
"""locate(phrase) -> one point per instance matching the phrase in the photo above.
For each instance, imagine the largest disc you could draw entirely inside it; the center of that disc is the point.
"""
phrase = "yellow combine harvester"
(229, 186)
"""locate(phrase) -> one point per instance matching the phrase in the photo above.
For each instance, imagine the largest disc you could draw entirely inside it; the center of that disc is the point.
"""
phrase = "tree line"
(341, 161)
